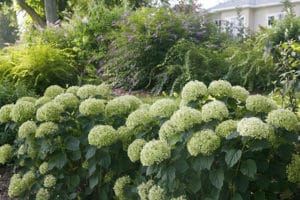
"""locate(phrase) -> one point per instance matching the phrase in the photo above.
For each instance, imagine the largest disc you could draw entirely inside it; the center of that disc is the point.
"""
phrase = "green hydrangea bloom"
(126, 135)
(5, 113)
(53, 90)
(226, 127)
(239, 93)
(102, 135)
(220, 89)
(43, 169)
(214, 110)
(179, 198)
(135, 148)
(92, 106)
(16, 187)
(120, 185)
(122, 105)
(27, 129)
(157, 193)
(28, 180)
(46, 129)
(41, 101)
(254, 127)
(50, 111)
(163, 108)
(67, 100)
(109, 176)
(185, 118)
(293, 169)
(155, 152)
(28, 99)
(42, 194)
(193, 90)
(283, 118)
(167, 130)
(72, 90)
(144, 188)
(104, 90)
(6, 153)
(23, 111)
(204, 142)
(140, 117)
(49, 181)
(87, 91)
(260, 104)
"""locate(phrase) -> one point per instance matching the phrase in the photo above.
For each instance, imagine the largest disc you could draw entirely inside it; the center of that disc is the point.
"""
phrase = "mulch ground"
(5, 174)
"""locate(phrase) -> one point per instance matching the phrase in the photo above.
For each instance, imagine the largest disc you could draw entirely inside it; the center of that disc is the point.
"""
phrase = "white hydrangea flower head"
(23, 111)
(72, 89)
(6, 153)
(104, 90)
(27, 129)
(193, 90)
(120, 186)
(92, 107)
(5, 113)
(28, 179)
(67, 100)
(28, 99)
(226, 127)
(167, 130)
(283, 118)
(49, 181)
(41, 101)
(44, 168)
(157, 193)
(293, 169)
(204, 143)
(163, 108)
(220, 89)
(42, 194)
(254, 127)
(239, 93)
(139, 117)
(102, 136)
(135, 148)
(214, 110)
(122, 105)
(144, 106)
(179, 198)
(260, 104)
(186, 118)
(50, 111)
(46, 129)
(87, 91)
(144, 188)
(154, 152)
(53, 90)
(16, 187)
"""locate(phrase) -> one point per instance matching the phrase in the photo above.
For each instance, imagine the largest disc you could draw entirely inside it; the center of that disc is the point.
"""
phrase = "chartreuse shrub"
(219, 142)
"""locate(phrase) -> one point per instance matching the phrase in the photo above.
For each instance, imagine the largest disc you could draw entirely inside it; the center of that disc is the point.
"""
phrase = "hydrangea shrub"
(215, 142)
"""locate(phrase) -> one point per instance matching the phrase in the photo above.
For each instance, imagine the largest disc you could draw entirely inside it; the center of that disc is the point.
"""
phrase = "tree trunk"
(51, 12)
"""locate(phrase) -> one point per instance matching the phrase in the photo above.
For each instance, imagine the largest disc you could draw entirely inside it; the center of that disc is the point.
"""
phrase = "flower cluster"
(122, 105)
(163, 108)
(102, 135)
(185, 118)
(49, 181)
(109, 176)
(28, 99)
(260, 104)
(41, 101)
(46, 129)
(179, 198)
(50, 111)
(214, 110)
(193, 90)
(204, 142)
(87, 91)
(104, 90)
(23, 111)
(67, 100)
(6, 152)
(226, 127)
(15, 187)
(27, 129)
(293, 169)
(5, 113)
(53, 90)
(42, 194)
(43, 169)
(155, 152)
(140, 117)
(135, 148)
(254, 127)
(239, 93)
(167, 130)
(120, 186)
(144, 188)
(72, 90)
(28, 180)
(220, 89)
(92, 106)
(156, 193)
(283, 118)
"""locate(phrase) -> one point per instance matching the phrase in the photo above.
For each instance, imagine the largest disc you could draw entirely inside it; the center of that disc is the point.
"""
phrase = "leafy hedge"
(216, 142)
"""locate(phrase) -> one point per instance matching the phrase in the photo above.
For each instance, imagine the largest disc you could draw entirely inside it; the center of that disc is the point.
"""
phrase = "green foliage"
(8, 28)
(128, 153)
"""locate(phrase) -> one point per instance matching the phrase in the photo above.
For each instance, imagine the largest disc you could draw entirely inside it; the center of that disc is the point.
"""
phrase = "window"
(271, 20)
(273, 17)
